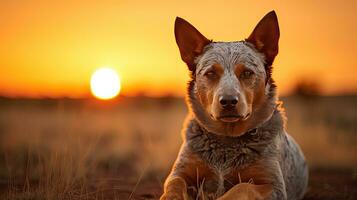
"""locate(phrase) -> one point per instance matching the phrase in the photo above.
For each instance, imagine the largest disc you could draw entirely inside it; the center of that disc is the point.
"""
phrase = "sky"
(51, 48)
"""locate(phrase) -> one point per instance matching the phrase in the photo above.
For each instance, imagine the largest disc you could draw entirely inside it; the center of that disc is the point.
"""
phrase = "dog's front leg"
(247, 191)
(175, 189)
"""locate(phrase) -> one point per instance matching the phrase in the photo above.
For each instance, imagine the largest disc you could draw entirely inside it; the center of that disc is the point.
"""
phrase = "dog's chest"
(222, 153)
(224, 157)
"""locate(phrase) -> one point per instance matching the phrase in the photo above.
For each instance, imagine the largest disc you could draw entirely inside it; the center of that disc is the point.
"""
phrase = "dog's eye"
(211, 74)
(247, 74)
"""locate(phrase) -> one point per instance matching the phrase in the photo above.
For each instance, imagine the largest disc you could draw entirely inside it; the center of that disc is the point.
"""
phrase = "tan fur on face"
(210, 89)
(207, 87)
(228, 61)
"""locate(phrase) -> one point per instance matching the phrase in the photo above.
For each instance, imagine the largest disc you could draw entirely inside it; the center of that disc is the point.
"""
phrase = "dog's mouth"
(233, 118)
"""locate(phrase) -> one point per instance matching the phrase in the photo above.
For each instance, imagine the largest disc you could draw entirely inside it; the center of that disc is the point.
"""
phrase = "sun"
(105, 83)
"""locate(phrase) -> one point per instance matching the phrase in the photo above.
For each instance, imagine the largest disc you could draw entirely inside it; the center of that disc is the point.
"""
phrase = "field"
(123, 149)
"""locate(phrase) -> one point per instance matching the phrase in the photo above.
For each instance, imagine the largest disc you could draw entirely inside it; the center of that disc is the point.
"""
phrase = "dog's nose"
(228, 101)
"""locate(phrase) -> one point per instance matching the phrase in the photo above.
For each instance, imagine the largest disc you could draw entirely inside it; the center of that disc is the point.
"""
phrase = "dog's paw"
(247, 191)
(173, 196)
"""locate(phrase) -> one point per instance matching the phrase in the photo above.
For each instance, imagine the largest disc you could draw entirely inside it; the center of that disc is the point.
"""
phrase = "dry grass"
(49, 167)
(325, 128)
(66, 149)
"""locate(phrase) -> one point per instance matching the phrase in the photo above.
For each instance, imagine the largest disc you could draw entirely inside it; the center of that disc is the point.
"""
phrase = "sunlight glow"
(105, 83)
(49, 49)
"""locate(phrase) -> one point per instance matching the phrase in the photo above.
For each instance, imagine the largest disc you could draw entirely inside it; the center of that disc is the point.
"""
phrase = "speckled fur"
(225, 152)
(269, 144)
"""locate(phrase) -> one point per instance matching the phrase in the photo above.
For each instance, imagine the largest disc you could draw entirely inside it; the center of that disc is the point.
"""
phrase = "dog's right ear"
(190, 42)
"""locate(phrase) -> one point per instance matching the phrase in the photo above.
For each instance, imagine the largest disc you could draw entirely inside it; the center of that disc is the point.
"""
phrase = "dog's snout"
(228, 101)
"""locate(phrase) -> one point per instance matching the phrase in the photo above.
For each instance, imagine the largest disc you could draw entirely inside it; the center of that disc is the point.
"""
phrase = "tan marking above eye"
(218, 69)
(239, 69)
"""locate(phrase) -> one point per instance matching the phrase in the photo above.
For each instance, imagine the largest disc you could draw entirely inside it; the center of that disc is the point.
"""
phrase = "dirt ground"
(332, 184)
(324, 184)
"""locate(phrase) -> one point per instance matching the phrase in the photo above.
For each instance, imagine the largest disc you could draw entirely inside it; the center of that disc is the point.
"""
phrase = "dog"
(235, 144)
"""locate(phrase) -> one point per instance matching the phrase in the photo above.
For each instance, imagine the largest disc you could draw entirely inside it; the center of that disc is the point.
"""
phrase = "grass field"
(123, 149)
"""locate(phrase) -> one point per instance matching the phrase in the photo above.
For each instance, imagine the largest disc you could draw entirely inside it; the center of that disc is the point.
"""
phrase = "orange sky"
(51, 49)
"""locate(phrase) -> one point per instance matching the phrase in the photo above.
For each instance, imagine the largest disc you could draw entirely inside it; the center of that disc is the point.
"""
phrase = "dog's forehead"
(230, 54)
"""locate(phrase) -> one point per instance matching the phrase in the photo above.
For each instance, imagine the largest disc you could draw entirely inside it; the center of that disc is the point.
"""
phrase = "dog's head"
(231, 90)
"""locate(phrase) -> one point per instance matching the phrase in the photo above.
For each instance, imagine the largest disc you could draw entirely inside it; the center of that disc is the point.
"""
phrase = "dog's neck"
(259, 116)
(226, 152)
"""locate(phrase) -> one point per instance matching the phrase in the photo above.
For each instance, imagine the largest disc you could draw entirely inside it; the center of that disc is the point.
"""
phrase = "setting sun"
(105, 83)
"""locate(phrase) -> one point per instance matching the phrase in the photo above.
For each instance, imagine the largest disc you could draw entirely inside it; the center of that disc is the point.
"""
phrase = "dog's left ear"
(265, 37)
(190, 42)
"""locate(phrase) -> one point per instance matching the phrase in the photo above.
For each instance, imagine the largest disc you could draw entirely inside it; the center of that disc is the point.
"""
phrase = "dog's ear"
(265, 37)
(190, 41)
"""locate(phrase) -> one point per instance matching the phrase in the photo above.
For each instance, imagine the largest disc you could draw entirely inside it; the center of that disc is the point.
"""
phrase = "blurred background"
(71, 130)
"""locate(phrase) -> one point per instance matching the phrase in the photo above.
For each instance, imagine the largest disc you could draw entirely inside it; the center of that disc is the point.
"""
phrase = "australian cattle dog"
(235, 144)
